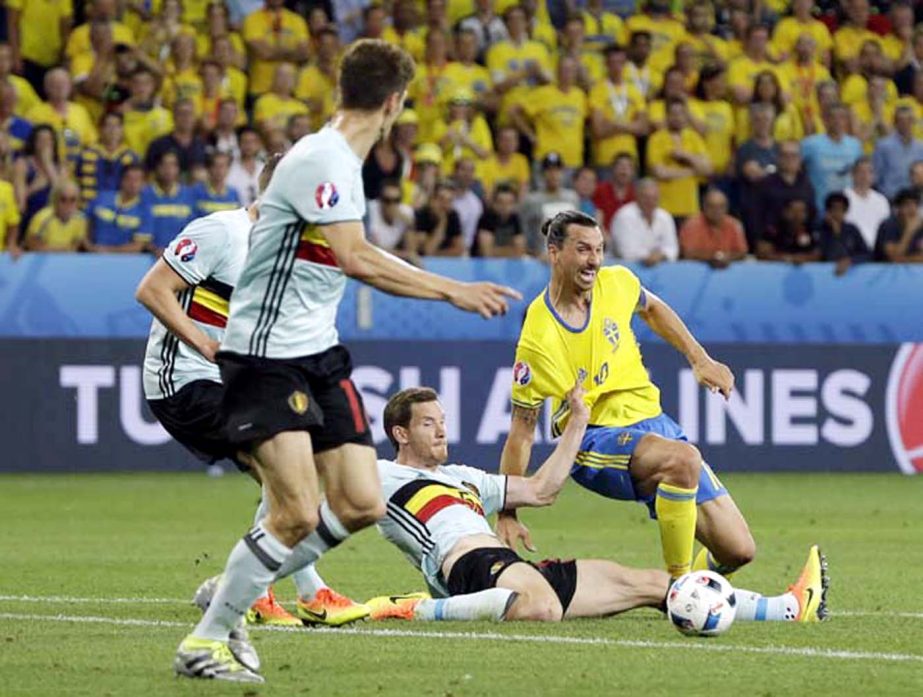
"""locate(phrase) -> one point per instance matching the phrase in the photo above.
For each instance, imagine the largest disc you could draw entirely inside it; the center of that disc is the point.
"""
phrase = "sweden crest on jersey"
(611, 332)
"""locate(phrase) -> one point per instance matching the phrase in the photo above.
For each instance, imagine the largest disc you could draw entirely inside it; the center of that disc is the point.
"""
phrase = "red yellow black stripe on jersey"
(314, 248)
(209, 304)
(424, 498)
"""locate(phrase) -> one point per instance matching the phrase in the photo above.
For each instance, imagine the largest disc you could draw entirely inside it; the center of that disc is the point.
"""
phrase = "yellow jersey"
(789, 30)
(79, 40)
(854, 89)
(318, 91)
(619, 103)
(478, 131)
(474, 77)
(787, 124)
(803, 81)
(679, 197)
(39, 28)
(603, 355)
(514, 171)
(281, 29)
(603, 30)
(429, 91)
(718, 116)
(26, 97)
(141, 127)
(743, 72)
(505, 58)
(848, 40)
(75, 129)
(863, 116)
(665, 34)
(893, 47)
(54, 232)
(707, 48)
(185, 84)
(9, 211)
(558, 118)
(272, 111)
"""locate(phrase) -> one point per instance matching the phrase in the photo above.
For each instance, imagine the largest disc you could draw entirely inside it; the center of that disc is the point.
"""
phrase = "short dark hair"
(370, 72)
(836, 197)
(905, 195)
(640, 34)
(111, 115)
(133, 167)
(399, 409)
(555, 229)
(613, 48)
(212, 154)
(505, 188)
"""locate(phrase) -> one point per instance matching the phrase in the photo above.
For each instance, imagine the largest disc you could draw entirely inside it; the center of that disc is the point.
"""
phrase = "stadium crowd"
(702, 130)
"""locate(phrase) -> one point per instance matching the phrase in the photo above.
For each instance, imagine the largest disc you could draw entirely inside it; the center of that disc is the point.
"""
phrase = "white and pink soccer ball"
(702, 603)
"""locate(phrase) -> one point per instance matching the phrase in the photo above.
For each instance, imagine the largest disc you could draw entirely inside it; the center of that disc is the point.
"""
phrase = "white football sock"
(251, 567)
(307, 580)
(491, 604)
(753, 607)
(329, 533)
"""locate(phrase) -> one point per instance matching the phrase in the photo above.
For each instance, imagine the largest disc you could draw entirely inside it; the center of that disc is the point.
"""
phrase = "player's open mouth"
(588, 274)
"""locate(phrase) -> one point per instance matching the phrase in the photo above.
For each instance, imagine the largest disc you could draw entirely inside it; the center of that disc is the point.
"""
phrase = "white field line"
(801, 652)
(75, 600)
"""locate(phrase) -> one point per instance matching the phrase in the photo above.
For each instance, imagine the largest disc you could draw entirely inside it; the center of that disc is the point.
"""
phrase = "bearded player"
(579, 328)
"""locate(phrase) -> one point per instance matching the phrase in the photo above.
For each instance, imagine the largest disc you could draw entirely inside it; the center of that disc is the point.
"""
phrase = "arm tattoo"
(525, 414)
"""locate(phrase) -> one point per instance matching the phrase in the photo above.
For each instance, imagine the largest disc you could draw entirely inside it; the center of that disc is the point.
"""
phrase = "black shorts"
(193, 417)
(479, 570)
(266, 396)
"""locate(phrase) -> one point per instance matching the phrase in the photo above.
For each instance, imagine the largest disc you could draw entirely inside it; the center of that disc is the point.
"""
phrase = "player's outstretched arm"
(158, 292)
(365, 262)
(543, 487)
(514, 461)
(660, 317)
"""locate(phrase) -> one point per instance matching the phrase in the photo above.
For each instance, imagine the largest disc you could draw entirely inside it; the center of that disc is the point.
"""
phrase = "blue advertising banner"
(76, 405)
(92, 296)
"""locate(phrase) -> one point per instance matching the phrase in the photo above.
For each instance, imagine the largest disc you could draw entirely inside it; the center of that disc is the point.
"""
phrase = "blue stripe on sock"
(439, 609)
(670, 496)
(761, 606)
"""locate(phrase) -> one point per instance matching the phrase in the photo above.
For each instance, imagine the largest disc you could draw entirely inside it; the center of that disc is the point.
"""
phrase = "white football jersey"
(209, 255)
(429, 511)
(286, 302)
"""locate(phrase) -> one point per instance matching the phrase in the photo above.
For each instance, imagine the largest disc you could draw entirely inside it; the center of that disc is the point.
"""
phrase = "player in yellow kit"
(580, 328)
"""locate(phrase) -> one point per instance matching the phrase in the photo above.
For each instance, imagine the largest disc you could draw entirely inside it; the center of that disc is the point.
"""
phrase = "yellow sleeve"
(81, 65)
(253, 28)
(480, 133)
(658, 148)
(695, 144)
(536, 102)
(299, 28)
(122, 35)
(657, 111)
(38, 220)
(262, 110)
(80, 229)
(738, 73)
(533, 377)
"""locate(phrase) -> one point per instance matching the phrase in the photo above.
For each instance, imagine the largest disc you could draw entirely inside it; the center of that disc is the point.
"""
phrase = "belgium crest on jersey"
(611, 332)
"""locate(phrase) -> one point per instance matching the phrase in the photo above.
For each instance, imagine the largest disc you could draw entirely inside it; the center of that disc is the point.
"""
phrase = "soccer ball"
(702, 603)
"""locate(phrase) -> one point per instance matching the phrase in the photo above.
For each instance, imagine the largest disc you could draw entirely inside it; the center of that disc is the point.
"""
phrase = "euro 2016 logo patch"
(298, 401)
(522, 373)
(326, 196)
(611, 332)
(186, 249)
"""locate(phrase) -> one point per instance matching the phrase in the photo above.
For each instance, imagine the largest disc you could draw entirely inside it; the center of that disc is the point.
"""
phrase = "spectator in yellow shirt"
(850, 36)
(787, 121)
(465, 73)
(618, 112)
(573, 44)
(677, 158)
(403, 29)
(233, 80)
(101, 11)
(72, 123)
(871, 118)
(803, 73)
(897, 43)
(26, 97)
(674, 87)
(507, 166)
(517, 64)
(144, 120)
(37, 32)
(552, 116)
(700, 21)
(717, 115)
(664, 29)
(801, 22)
(271, 111)
(602, 27)
(9, 220)
(638, 70)
(317, 81)
(59, 227)
(429, 88)
(218, 26)
(183, 80)
(871, 61)
(464, 134)
(156, 35)
(755, 59)
(273, 35)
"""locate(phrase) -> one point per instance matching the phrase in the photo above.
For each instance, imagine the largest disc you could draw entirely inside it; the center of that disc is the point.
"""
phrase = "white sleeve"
(196, 251)
(669, 245)
(491, 488)
(321, 187)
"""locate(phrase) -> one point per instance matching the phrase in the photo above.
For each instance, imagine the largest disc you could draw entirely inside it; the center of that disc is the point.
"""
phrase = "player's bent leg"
(669, 470)
(722, 529)
(605, 588)
(535, 600)
(351, 484)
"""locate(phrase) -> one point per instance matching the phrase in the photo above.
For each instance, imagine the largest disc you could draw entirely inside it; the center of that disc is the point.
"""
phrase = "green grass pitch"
(95, 573)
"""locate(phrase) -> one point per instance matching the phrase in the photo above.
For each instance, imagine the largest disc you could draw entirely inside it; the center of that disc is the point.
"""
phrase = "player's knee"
(533, 607)
(682, 466)
(293, 525)
(743, 553)
(356, 515)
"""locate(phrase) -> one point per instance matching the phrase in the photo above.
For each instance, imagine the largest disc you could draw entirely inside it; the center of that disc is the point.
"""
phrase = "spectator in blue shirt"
(896, 153)
(117, 218)
(167, 204)
(841, 241)
(214, 194)
(100, 166)
(829, 157)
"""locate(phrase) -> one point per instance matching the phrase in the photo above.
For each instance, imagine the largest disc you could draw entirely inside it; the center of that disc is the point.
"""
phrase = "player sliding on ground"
(579, 328)
(289, 401)
(437, 516)
(187, 291)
